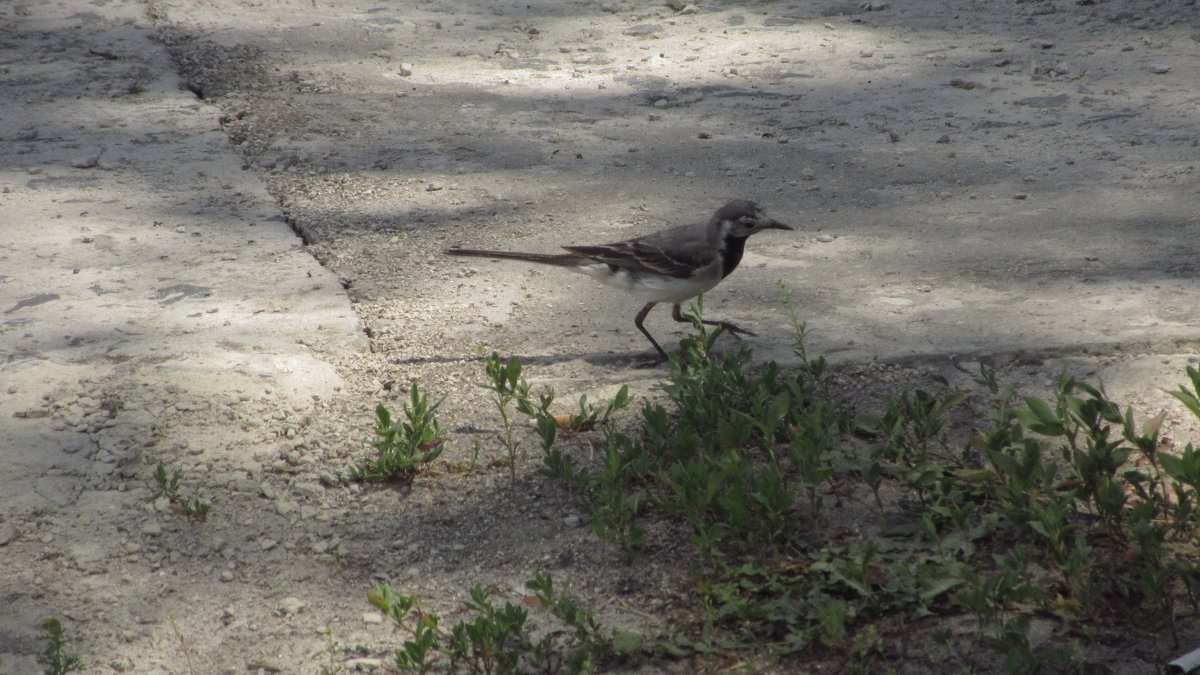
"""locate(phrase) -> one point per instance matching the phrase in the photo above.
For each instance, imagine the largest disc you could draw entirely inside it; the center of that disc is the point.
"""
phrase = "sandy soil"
(1006, 181)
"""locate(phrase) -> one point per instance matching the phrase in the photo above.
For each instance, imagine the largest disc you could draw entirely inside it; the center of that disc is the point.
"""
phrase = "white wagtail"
(674, 265)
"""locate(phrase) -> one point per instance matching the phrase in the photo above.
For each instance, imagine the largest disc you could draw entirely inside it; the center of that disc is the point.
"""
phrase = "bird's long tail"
(559, 259)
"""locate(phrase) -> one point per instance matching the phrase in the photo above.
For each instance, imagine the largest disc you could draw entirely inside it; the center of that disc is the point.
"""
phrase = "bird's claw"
(650, 362)
(735, 330)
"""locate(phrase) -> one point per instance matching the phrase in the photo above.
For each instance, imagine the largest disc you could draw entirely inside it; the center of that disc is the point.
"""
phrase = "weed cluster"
(1063, 511)
(57, 659)
(497, 639)
(406, 446)
(168, 486)
(1077, 487)
(504, 379)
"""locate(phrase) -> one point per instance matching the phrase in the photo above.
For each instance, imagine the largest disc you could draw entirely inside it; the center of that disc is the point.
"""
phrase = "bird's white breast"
(651, 287)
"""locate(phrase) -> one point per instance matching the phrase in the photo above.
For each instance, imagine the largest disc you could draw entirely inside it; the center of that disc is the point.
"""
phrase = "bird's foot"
(734, 329)
(650, 362)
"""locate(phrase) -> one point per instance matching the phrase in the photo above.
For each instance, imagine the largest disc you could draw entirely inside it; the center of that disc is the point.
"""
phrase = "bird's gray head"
(741, 218)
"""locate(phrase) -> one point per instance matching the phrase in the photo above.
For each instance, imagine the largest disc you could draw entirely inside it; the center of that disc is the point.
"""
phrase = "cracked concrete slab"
(163, 257)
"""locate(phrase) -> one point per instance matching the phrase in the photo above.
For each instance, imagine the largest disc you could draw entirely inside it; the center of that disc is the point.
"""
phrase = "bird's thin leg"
(733, 328)
(637, 321)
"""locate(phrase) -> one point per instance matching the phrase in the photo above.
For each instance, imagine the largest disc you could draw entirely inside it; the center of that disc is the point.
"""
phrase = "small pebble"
(643, 30)
(292, 605)
(7, 533)
(88, 161)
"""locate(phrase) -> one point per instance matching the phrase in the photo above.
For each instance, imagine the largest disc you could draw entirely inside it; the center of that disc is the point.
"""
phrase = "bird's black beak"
(772, 224)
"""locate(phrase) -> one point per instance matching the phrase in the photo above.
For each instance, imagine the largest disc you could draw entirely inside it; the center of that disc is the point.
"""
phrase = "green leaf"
(383, 419)
(931, 592)
(1040, 528)
(1188, 399)
(1044, 420)
(626, 641)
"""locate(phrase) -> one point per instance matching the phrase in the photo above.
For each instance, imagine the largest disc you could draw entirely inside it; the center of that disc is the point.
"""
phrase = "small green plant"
(988, 594)
(508, 387)
(1012, 641)
(405, 446)
(183, 647)
(866, 649)
(1183, 470)
(497, 639)
(194, 508)
(331, 650)
(511, 391)
(58, 660)
(813, 367)
(741, 446)
(910, 428)
(614, 501)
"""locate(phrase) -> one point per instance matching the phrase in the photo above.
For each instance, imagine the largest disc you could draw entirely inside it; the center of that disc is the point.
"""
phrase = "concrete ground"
(222, 224)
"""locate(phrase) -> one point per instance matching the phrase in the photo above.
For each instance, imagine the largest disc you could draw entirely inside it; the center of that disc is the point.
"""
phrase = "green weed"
(996, 508)
(405, 446)
(58, 660)
(498, 639)
(193, 508)
(508, 387)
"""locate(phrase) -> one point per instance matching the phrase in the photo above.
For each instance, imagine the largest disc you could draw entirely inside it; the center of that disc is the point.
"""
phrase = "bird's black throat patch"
(734, 248)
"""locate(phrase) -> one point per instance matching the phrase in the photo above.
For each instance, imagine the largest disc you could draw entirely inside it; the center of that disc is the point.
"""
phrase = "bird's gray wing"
(678, 252)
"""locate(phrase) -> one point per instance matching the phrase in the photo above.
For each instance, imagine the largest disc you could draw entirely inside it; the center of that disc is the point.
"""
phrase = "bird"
(672, 265)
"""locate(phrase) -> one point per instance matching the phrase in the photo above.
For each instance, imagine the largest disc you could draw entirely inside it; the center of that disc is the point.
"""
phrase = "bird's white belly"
(652, 288)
